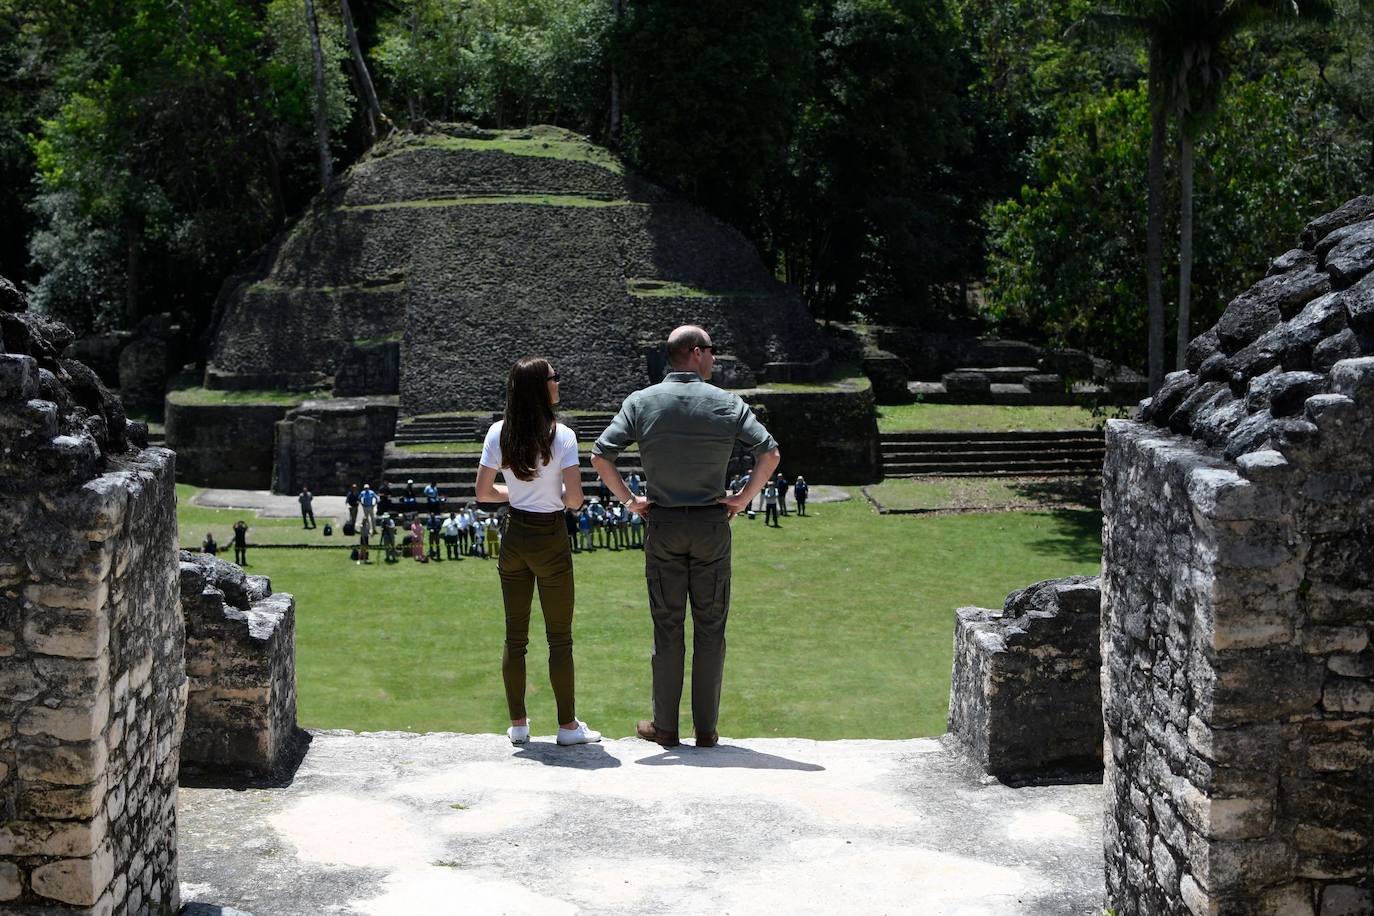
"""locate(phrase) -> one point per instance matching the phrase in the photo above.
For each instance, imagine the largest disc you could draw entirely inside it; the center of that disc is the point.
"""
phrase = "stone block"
(1327, 640)
(18, 377)
(1312, 838)
(1294, 899)
(1239, 866)
(68, 723)
(79, 882)
(1196, 899)
(1351, 665)
(11, 881)
(36, 801)
(64, 765)
(1340, 756)
(1348, 696)
(67, 633)
(52, 838)
(1347, 900)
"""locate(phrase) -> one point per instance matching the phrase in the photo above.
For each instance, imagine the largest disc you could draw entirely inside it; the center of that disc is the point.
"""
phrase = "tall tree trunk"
(133, 238)
(1185, 244)
(365, 88)
(613, 117)
(1154, 237)
(321, 101)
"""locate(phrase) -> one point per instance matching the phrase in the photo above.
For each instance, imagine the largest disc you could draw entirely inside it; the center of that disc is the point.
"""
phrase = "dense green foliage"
(886, 156)
(1285, 137)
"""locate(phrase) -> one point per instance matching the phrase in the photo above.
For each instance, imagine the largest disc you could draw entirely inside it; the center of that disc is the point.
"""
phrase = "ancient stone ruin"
(94, 686)
(1238, 601)
(1237, 610)
(1025, 700)
(241, 669)
(441, 258)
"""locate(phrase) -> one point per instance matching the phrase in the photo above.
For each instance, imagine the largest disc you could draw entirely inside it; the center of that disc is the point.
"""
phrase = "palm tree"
(1186, 41)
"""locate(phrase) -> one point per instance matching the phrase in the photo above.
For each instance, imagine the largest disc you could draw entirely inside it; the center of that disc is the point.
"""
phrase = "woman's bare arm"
(488, 490)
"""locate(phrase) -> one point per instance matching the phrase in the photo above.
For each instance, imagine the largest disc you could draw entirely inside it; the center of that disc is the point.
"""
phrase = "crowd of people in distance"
(403, 526)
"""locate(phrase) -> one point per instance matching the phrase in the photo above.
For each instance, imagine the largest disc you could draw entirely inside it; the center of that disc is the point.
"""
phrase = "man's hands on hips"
(640, 505)
(736, 504)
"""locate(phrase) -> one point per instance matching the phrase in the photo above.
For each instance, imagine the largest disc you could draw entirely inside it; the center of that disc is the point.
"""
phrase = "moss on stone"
(487, 200)
(513, 143)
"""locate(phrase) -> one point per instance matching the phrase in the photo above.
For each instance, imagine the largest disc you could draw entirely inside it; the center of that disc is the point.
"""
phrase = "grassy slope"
(841, 625)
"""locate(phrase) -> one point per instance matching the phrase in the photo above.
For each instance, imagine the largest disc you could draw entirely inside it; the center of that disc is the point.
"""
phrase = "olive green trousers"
(534, 550)
(687, 557)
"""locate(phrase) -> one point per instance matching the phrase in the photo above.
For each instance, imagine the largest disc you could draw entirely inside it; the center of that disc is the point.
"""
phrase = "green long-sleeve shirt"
(686, 430)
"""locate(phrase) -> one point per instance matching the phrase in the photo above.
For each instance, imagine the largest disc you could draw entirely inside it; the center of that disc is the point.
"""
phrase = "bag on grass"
(353, 554)
(328, 529)
(350, 529)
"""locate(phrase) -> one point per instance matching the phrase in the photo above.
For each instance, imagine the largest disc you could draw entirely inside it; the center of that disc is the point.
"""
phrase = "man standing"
(307, 502)
(686, 430)
(368, 500)
(351, 499)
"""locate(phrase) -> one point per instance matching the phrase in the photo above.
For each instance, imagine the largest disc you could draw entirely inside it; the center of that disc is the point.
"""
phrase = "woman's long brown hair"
(527, 434)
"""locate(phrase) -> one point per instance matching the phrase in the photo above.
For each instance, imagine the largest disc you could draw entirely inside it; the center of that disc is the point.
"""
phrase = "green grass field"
(841, 623)
(894, 418)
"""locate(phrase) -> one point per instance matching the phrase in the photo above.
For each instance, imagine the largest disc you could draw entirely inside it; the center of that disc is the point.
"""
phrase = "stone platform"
(396, 823)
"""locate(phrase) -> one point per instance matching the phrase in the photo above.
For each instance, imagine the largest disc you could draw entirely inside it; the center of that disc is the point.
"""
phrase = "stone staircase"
(424, 430)
(456, 473)
(992, 454)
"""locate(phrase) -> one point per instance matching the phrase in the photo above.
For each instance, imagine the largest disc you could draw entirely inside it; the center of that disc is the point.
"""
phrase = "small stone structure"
(223, 445)
(92, 683)
(827, 434)
(1024, 693)
(241, 667)
(327, 445)
(1238, 601)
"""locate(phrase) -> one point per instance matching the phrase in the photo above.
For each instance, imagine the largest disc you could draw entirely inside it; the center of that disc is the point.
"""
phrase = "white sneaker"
(580, 735)
(519, 734)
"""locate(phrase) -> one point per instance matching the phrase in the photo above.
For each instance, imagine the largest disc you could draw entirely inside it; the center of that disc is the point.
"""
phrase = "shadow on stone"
(723, 756)
(210, 909)
(200, 776)
(583, 757)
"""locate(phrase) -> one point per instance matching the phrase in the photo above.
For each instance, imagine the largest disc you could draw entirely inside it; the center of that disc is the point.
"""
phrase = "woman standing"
(538, 458)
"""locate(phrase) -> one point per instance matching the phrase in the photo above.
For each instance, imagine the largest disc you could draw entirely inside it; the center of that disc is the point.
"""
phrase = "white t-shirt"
(545, 492)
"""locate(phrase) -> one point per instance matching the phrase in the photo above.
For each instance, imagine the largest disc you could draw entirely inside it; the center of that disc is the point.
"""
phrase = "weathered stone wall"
(1238, 601)
(485, 247)
(91, 643)
(224, 445)
(241, 668)
(328, 445)
(1024, 692)
(826, 435)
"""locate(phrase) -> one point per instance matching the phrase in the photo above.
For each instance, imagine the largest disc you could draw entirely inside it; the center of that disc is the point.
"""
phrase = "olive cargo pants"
(687, 557)
(534, 550)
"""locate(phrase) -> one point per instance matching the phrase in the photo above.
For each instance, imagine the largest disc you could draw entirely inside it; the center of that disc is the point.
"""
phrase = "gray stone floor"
(407, 824)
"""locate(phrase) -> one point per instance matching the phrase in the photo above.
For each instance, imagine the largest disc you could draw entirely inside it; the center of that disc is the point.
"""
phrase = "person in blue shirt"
(800, 491)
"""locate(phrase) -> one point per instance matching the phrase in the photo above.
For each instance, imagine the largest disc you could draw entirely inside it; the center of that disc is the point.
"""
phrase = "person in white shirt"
(537, 456)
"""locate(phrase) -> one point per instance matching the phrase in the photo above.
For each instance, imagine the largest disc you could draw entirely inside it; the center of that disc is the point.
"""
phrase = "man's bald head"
(683, 341)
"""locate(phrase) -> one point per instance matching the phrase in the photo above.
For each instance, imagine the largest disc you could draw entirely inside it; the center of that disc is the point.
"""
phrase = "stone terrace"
(406, 824)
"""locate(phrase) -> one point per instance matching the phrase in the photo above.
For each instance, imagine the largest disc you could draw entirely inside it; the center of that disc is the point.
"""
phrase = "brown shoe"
(707, 739)
(647, 730)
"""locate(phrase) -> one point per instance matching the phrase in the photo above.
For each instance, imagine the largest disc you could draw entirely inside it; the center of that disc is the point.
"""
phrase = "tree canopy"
(895, 160)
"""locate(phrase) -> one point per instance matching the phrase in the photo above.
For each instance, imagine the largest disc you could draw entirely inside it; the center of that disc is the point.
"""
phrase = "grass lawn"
(942, 494)
(441, 448)
(214, 396)
(896, 418)
(841, 624)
